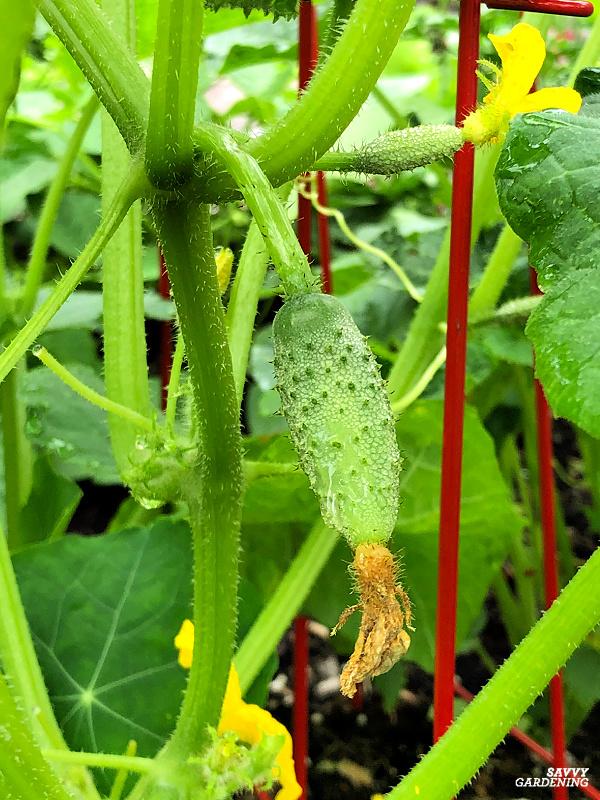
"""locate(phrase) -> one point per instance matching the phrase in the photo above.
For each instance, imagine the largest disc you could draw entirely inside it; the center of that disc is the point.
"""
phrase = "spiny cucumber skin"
(408, 148)
(339, 416)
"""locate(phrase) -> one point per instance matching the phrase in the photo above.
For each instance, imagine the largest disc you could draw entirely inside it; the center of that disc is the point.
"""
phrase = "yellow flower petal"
(561, 97)
(249, 722)
(184, 642)
(522, 52)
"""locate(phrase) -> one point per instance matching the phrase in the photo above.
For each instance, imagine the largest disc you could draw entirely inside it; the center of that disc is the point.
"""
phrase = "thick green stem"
(124, 337)
(17, 456)
(333, 98)
(243, 302)
(24, 773)
(424, 338)
(285, 603)
(169, 145)
(215, 485)
(41, 242)
(173, 387)
(457, 756)
(336, 92)
(106, 62)
(132, 188)
(267, 210)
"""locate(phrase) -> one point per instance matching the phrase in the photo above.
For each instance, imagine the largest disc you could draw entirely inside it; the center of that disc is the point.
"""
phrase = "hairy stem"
(25, 774)
(336, 92)
(215, 485)
(106, 62)
(95, 398)
(457, 756)
(243, 302)
(17, 456)
(101, 760)
(169, 145)
(262, 638)
(124, 336)
(267, 210)
(130, 190)
(173, 387)
(41, 242)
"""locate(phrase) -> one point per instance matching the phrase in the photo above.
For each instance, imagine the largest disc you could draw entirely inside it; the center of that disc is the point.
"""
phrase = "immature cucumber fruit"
(341, 424)
(340, 420)
(408, 148)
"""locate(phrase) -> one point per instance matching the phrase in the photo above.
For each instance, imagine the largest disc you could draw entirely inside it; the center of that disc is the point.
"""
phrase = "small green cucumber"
(408, 148)
(339, 416)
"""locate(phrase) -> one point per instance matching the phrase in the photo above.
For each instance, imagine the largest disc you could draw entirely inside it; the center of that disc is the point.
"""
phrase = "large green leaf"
(104, 612)
(488, 519)
(547, 178)
(66, 427)
(50, 505)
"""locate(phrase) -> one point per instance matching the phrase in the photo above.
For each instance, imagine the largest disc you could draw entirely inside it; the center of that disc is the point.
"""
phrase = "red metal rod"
(324, 241)
(300, 709)
(307, 59)
(166, 333)
(454, 394)
(551, 583)
(568, 8)
(530, 743)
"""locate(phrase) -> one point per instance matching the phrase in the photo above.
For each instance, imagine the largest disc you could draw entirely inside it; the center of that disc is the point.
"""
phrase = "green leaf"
(83, 309)
(547, 179)
(281, 498)
(103, 613)
(20, 178)
(582, 682)
(72, 346)
(488, 519)
(588, 81)
(64, 426)
(78, 217)
(279, 8)
(50, 506)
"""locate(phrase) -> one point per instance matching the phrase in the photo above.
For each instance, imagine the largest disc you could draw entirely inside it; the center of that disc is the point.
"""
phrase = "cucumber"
(408, 149)
(339, 416)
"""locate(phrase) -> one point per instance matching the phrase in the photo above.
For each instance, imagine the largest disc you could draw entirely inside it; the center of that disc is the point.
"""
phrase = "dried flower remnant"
(386, 613)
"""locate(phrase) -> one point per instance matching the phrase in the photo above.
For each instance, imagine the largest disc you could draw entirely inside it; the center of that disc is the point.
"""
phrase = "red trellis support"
(454, 394)
(551, 582)
(454, 399)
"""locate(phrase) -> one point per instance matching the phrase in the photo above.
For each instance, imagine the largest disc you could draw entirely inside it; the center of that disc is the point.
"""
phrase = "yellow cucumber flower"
(522, 52)
(250, 722)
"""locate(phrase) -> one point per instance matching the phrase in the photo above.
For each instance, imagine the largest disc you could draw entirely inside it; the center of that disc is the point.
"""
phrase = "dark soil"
(357, 749)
